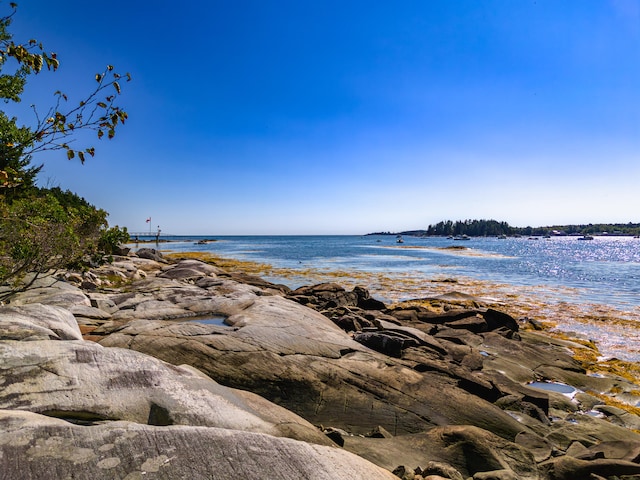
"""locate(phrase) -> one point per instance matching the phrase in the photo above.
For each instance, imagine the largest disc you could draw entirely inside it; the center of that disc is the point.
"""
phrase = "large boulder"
(83, 382)
(299, 359)
(464, 449)
(448, 388)
(150, 254)
(38, 322)
(34, 447)
(74, 409)
(49, 290)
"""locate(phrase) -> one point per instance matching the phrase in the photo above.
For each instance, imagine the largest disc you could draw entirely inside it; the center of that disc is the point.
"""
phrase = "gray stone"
(37, 322)
(33, 447)
(463, 449)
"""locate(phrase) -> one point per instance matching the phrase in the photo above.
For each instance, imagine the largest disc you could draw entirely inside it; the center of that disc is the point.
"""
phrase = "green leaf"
(81, 156)
(70, 154)
(116, 85)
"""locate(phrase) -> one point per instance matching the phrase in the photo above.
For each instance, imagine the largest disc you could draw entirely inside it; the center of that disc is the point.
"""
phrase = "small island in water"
(494, 228)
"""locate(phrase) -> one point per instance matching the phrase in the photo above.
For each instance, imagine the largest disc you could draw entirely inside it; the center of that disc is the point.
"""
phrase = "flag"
(149, 220)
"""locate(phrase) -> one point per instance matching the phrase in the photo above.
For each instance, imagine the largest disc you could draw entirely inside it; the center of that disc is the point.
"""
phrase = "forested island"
(489, 228)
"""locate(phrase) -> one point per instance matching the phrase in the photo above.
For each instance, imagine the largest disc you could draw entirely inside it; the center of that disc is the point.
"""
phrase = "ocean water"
(588, 287)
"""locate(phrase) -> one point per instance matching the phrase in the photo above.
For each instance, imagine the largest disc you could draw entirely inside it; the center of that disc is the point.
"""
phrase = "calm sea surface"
(590, 287)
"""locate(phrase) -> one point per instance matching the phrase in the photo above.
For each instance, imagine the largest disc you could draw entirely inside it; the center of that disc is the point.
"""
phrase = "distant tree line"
(490, 228)
(472, 228)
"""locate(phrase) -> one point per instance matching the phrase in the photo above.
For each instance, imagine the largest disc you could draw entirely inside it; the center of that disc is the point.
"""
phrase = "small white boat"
(462, 237)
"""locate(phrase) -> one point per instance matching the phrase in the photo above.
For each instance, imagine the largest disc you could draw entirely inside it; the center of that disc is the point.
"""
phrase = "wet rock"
(389, 343)
(475, 324)
(496, 320)
(365, 301)
(327, 295)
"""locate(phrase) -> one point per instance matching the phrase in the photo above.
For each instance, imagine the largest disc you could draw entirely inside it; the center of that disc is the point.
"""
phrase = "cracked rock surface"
(192, 369)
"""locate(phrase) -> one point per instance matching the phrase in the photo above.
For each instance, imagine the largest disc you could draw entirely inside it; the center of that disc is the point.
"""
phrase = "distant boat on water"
(399, 239)
(586, 237)
(462, 237)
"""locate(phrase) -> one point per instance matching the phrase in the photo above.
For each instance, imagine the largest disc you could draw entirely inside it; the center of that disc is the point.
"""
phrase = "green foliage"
(111, 238)
(38, 233)
(47, 228)
(475, 228)
(56, 128)
(488, 228)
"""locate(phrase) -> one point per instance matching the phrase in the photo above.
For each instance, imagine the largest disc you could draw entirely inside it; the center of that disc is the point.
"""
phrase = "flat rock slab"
(57, 375)
(34, 447)
(299, 359)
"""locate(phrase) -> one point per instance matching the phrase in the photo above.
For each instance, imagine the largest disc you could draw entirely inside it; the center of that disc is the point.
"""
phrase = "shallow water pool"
(213, 320)
(557, 387)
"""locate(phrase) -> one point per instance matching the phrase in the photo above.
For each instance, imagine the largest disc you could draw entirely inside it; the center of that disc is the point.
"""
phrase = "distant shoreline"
(413, 234)
(494, 228)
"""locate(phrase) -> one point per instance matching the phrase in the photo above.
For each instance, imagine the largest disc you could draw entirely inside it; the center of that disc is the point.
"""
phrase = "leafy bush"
(38, 234)
(111, 238)
(43, 229)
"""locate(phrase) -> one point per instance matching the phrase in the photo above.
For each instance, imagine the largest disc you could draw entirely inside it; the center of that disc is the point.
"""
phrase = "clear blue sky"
(295, 117)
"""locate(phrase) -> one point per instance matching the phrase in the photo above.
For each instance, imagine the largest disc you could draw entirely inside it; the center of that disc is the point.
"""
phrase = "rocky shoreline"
(145, 368)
